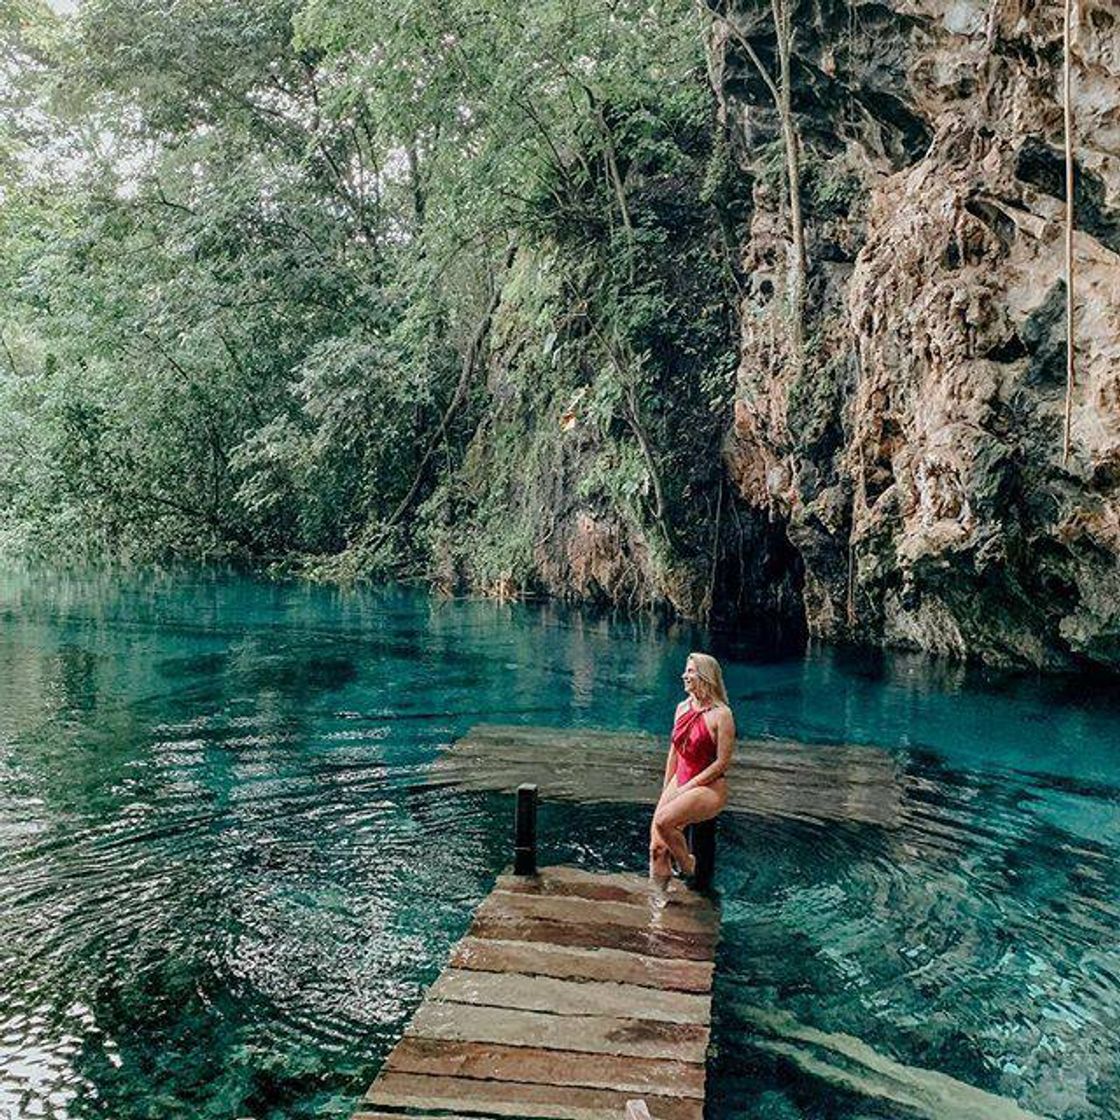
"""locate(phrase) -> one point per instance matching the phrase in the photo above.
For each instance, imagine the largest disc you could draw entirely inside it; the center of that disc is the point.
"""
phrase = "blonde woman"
(700, 747)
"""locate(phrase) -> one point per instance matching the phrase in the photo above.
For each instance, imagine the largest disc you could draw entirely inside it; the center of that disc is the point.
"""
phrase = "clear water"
(226, 876)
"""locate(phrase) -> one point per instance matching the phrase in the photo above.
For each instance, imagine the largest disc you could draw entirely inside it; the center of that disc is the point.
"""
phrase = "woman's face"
(693, 685)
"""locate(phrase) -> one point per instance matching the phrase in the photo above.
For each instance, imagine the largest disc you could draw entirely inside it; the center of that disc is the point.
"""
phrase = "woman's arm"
(671, 761)
(725, 744)
(670, 766)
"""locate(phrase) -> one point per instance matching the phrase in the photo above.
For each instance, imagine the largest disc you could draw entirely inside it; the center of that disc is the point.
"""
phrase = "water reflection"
(227, 872)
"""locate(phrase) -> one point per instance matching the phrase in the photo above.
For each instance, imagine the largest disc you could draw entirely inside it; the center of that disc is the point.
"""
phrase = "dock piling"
(702, 844)
(525, 831)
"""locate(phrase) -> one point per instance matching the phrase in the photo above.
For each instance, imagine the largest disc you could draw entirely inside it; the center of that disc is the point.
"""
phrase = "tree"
(780, 93)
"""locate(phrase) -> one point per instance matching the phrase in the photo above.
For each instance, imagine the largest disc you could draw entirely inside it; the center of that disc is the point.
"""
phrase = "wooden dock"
(571, 994)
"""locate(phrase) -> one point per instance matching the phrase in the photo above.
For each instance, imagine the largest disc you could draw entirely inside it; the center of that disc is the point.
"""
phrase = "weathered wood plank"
(530, 1064)
(578, 746)
(506, 1098)
(649, 942)
(596, 1034)
(679, 919)
(849, 1064)
(570, 997)
(634, 771)
(367, 1115)
(564, 963)
(615, 887)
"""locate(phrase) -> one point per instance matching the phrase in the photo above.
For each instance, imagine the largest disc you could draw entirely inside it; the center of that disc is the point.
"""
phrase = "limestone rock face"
(915, 450)
(597, 558)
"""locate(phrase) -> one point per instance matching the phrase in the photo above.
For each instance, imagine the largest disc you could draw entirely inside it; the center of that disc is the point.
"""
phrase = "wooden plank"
(541, 959)
(616, 887)
(595, 1034)
(490, 1061)
(848, 1064)
(680, 919)
(507, 1098)
(649, 942)
(365, 1114)
(570, 997)
(577, 747)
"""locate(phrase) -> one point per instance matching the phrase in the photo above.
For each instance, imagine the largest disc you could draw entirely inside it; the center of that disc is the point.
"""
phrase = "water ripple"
(228, 871)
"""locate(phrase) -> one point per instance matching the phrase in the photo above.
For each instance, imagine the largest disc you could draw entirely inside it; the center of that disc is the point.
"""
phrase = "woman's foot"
(686, 870)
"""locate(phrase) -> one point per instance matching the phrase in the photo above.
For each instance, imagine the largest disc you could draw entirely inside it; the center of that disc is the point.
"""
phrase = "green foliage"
(633, 345)
(248, 279)
(769, 167)
(830, 187)
(815, 396)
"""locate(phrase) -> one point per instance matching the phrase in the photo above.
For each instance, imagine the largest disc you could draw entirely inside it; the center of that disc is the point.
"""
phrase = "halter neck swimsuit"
(693, 742)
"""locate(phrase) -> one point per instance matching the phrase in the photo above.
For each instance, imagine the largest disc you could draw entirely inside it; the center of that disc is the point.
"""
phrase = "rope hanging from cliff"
(1068, 115)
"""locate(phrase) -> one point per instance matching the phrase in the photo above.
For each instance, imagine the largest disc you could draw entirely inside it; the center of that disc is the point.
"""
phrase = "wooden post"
(702, 844)
(525, 831)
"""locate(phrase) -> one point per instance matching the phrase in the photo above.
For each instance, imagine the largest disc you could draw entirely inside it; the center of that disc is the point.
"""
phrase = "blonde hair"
(708, 670)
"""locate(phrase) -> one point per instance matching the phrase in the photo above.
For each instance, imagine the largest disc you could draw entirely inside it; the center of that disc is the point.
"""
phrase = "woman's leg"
(673, 840)
(660, 869)
(694, 805)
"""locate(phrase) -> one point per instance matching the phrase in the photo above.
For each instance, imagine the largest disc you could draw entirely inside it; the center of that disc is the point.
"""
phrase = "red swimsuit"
(693, 742)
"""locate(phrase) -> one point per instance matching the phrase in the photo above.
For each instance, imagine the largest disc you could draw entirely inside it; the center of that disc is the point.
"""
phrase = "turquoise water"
(227, 876)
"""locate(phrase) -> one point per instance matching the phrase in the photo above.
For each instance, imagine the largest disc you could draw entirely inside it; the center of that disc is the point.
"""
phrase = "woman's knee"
(701, 806)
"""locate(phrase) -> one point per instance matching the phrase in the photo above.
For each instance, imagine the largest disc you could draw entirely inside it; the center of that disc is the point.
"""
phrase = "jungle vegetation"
(360, 289)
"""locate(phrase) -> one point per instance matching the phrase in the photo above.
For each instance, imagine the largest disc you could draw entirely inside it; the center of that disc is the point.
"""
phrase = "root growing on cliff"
(1067, 111)
(780, 93)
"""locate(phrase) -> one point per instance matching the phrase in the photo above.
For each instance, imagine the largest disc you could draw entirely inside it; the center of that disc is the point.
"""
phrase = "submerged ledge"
(776, 778)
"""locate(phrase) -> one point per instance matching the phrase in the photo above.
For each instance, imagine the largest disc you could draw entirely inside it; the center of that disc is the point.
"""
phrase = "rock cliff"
(913, 451)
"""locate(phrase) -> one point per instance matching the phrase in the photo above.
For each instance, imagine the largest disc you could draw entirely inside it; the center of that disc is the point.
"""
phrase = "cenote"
(227, 873)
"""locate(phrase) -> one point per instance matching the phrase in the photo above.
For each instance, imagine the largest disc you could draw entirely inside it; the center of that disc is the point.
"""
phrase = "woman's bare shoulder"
(682, 706)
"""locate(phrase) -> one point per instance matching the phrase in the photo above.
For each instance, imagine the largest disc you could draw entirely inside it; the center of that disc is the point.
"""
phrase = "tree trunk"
(780, 93)
(419, 198)
(366, 552)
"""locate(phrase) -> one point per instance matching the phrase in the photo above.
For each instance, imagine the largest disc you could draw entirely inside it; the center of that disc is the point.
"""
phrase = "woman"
(700, 748)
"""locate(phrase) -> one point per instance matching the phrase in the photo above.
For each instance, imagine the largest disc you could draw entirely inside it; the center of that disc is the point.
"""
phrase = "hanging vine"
(780, 93)
(1067, 98)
